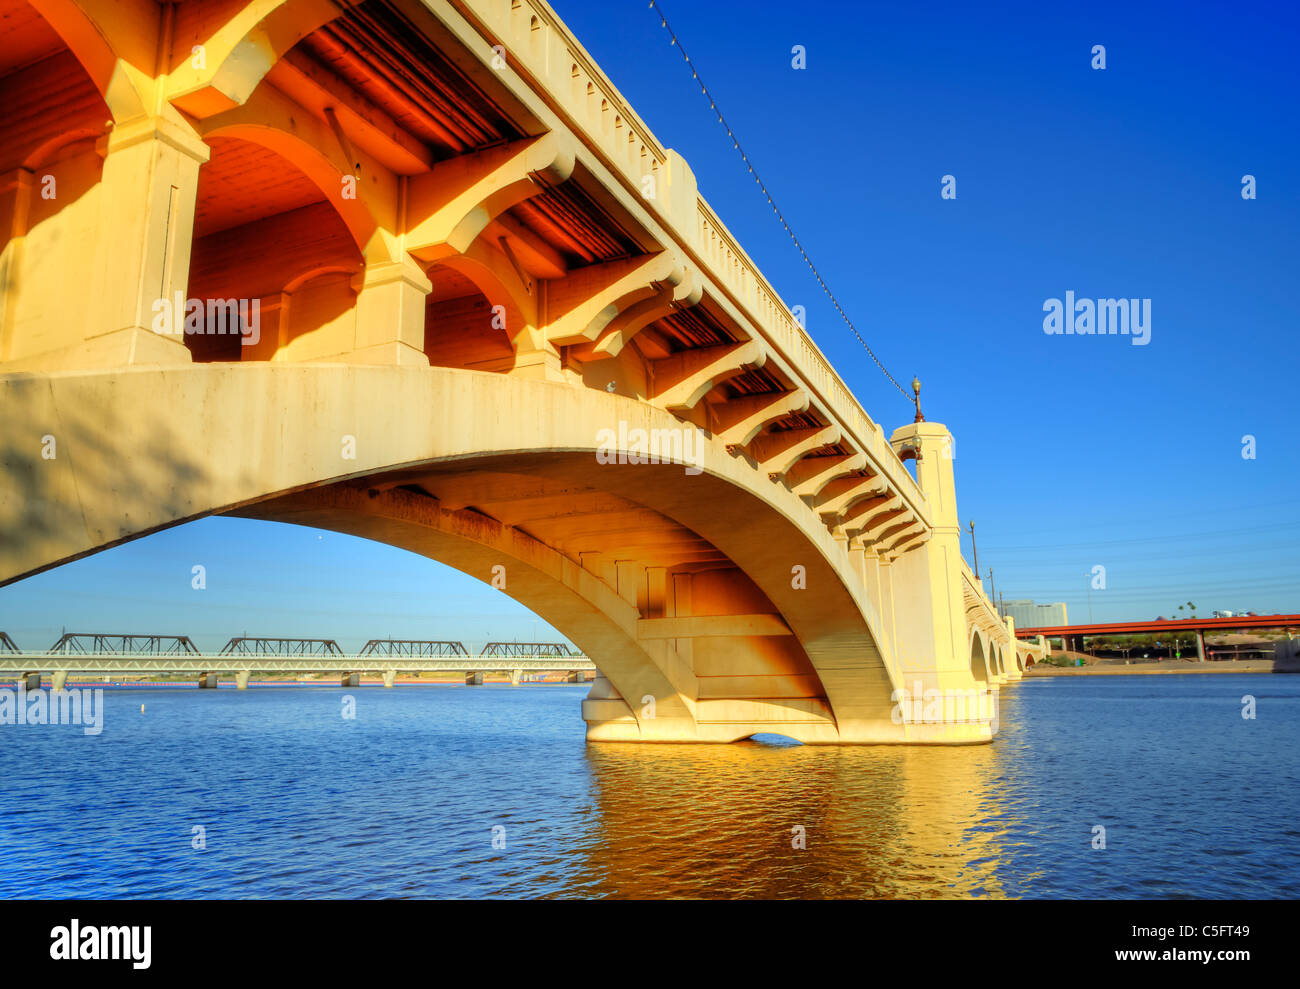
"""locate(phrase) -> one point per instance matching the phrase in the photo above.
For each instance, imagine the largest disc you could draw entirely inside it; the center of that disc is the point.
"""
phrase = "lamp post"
(916, 392)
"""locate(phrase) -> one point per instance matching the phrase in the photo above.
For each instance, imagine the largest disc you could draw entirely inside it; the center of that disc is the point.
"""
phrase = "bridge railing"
(977, 587)
(772, 316)
(535, 36)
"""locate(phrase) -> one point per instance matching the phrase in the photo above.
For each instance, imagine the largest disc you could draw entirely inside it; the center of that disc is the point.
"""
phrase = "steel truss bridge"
(98, 653)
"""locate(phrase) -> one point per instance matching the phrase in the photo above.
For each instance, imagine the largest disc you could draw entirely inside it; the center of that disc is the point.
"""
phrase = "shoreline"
(1158, 669)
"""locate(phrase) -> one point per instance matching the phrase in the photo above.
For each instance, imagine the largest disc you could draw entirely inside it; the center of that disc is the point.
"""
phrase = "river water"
(415, 796)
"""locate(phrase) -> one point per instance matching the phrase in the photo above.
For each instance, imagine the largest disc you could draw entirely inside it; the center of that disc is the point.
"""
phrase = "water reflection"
(716, 821)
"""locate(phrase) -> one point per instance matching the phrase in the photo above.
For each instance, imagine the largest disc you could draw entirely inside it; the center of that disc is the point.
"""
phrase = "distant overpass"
(1073, 635)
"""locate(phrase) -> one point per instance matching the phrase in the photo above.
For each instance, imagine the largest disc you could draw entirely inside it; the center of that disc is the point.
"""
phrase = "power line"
(663, 20)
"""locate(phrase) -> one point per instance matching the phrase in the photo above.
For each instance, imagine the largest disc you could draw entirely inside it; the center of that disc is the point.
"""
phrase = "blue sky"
(1072, 451)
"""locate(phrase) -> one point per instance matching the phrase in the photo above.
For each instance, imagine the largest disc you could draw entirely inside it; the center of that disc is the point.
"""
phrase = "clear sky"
(1072, 451)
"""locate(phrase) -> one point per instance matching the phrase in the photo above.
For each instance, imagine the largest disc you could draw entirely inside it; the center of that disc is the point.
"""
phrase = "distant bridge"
(241, 657)
(1072, 636)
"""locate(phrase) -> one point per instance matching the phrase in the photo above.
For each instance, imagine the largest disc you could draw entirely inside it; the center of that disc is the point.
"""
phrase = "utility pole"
(993, 593)
(974, 551)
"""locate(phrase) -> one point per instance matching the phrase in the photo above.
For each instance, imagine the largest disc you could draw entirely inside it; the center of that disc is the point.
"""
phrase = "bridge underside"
(714, 604)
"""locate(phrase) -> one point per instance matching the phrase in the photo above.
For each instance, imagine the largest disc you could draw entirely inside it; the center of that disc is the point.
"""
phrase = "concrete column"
(147, 199)
(577, 676)
(1200, 645)
(32, 681)
(241, 679)
(350, 680)
(1047, 646)
(932, 634)
(207, 681)
(15, 208)
(516, 677)
(57, 679)
(389, 677)
(390, 314)
(473, 679)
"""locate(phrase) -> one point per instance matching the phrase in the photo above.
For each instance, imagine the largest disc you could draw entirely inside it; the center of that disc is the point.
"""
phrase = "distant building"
(1027, 614)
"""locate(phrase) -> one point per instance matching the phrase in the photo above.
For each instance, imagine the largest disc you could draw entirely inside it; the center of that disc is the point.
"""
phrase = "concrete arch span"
(257, 438)
(981, 665)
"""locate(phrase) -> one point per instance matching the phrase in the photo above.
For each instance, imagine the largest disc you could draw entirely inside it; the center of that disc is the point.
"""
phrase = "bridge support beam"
(207, 681)
(474, 679)
(1200, 645)
(32, 681)
(350, 680)
(57, 680)
(390, 677)
(241, 679)
(576, 676)
(516, 677)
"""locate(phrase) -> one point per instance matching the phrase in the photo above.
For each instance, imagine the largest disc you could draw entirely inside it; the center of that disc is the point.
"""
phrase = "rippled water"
(297, 801)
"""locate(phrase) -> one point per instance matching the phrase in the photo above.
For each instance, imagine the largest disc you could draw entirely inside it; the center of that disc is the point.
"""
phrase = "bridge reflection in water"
(879, 821)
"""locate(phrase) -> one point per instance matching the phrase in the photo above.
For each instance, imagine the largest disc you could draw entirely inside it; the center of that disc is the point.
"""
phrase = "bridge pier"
(32, 681)
(926, 590)
(576, 676)
(241, 679)
(57, 679)
(1010, 662)
(208, 681)
(474, 679)
(350, 680)
(390, 676)
(1200, 645)
(516, 676)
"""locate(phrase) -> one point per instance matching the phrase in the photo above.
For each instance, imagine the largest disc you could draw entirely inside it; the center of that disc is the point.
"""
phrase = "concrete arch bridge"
(415, 270)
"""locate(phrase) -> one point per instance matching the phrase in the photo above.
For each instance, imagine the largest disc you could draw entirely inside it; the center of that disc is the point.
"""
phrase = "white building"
(1027, 614)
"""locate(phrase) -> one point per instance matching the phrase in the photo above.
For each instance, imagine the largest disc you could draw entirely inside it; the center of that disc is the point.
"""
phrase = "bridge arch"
(578, 603)
(504, 318)
(106, 41)
(386, 428)
(313, 152)
(980, 666)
